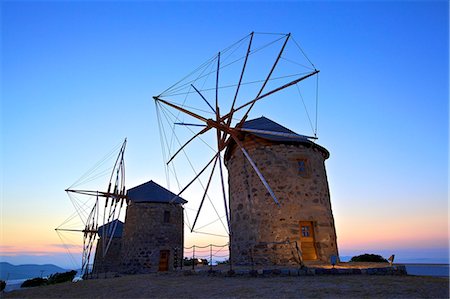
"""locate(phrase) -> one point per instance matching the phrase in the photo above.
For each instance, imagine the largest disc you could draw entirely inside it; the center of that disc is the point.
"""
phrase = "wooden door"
(307, 241)
(164, 260)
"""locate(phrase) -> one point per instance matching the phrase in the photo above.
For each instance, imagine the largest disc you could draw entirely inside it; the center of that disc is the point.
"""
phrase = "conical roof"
(152, 192)
(108, 228)
(264, 124)
(267, 129)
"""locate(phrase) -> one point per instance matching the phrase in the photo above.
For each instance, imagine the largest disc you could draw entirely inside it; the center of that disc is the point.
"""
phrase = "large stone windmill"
(294, 168)
(278, 208)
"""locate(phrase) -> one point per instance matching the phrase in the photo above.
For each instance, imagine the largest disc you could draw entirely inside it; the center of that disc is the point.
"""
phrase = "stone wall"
(146, 233)
(262, 232)
(111, 262)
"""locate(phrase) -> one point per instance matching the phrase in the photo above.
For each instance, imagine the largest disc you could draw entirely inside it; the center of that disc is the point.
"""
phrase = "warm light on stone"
(262, 232)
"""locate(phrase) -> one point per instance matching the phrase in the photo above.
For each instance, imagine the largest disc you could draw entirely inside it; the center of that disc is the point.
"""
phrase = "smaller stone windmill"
(153, 233)
(110, 262)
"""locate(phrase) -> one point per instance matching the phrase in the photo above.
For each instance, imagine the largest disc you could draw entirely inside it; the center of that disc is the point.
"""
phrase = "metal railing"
(211, 253)
(215, 254)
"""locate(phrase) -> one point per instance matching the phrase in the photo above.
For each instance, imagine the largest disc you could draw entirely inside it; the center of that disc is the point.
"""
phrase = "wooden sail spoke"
(267, 78)
(205, 193)
(227, 116)
(242, 74)
(195, 178)
(188, 124)
(187, 142)
(199, 117)
(228, 122)
(224, 195)
(106, 195)
(204, 99)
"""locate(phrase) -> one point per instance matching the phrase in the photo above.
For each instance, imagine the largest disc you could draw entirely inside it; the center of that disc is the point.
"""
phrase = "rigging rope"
(195, 172)
(187, 127)
(270, 33)
(234, 85)
(304, 54)
(158, 116)
(193, 72)
(210, 223)
(306, 109)
(72, 258)
(317, 103)
(299, 64)
(95, 167)
(80, 209)
(209, 62)
(172, 89)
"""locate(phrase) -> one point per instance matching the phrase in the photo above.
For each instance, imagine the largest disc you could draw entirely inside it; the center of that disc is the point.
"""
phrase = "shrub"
(188, 262)
(225, 262)
(2, 285)
(372, 258)
(34, 282)
(62, 277)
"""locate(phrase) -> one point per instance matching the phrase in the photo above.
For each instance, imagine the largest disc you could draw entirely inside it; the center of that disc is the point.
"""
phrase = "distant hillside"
(9, 271)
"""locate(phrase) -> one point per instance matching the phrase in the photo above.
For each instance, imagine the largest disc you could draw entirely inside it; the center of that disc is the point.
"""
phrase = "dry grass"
(200, 286)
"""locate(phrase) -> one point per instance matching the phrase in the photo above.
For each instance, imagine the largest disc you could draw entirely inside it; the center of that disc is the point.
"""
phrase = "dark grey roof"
(152, 192)
(265, 124)
(258, 125)
(109, 227)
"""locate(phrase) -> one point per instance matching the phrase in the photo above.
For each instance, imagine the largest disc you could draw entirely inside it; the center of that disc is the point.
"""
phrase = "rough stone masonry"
(262, 232)
(147, 233)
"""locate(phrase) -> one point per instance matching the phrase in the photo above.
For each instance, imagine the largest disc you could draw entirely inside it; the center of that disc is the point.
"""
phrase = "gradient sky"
(78, 77)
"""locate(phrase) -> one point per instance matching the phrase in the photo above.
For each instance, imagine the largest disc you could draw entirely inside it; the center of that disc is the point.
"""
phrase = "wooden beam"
(187, 142)
(204, 99)
(181, 109)
(255, 168)
(195, 178)
(267, 78)
(205, 193)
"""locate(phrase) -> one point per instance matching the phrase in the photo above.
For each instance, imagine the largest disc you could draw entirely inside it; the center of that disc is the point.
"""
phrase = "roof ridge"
(151, 191)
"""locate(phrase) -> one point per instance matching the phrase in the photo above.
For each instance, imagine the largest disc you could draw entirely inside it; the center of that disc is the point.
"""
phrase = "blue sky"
(77, 77)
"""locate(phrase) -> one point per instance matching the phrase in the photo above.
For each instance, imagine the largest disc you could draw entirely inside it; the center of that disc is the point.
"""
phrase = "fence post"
(182, 257)
(299, 253)
(210, 257)
(229, 257)
(193, 257)
(251, 257)
(175, 258)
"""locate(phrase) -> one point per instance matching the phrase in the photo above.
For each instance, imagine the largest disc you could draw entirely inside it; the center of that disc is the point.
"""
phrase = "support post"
(251, 258)
(210, 257)
(193, 257)
(229, 257)
(182, 258)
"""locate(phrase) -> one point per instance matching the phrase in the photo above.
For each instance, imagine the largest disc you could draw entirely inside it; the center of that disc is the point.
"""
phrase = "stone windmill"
(153, 234)
(294, 168)
(278, 208)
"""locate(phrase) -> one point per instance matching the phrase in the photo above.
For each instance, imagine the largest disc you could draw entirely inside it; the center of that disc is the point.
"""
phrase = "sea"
(436, 270)
(13, 284)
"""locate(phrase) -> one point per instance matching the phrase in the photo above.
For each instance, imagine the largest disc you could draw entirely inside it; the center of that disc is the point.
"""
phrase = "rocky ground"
(180, 285)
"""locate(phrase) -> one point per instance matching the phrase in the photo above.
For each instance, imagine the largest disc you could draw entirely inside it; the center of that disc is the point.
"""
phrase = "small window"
(305, 231)
(166, 216)
(302, 167)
